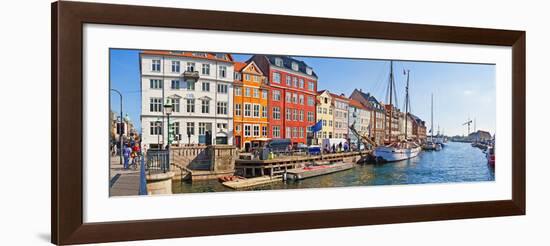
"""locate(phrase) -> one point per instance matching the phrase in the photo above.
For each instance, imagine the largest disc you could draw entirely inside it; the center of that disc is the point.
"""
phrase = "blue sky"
(460, 90)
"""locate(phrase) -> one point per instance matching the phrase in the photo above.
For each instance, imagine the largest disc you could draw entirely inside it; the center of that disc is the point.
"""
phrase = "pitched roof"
(356, 104)
(209, 56)
(339, 97)
(238, 66)
(287, 63)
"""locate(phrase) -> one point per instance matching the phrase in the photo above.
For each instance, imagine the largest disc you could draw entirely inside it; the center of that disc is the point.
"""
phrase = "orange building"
(250, 113)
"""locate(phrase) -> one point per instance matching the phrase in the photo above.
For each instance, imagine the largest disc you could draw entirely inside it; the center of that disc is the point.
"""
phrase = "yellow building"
(250, 113)
(325, 114)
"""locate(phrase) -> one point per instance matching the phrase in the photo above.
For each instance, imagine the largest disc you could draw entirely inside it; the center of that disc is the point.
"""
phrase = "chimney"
(360, 90)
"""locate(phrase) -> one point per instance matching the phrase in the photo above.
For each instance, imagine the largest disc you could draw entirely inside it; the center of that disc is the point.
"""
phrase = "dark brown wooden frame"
(67, 206)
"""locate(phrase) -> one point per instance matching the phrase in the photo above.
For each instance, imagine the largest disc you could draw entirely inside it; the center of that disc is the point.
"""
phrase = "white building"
(359, 117)
(200, 86)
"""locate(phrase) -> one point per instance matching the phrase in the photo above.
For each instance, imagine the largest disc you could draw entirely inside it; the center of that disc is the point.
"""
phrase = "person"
(346, 147)
(340, 146)
(333, 148)
(135, 153)
(126, 153)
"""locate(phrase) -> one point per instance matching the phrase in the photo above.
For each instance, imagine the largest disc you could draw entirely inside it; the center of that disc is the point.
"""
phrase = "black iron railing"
(157, 160)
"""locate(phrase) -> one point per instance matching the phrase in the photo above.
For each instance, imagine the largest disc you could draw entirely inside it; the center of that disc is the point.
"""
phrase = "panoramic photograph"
(198, 121)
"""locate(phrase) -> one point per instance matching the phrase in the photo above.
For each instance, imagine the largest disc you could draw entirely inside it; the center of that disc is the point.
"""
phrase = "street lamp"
(121, 122)
(158, 124)
(168, 110)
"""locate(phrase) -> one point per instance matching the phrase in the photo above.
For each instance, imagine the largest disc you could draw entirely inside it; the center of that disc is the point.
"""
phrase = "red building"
(293, 86)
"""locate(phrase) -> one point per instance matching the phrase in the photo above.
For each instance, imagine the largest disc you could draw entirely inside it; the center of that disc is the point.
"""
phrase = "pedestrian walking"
(126, 153)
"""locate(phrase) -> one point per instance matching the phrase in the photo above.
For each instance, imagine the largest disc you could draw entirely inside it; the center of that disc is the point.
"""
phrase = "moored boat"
(401, 150)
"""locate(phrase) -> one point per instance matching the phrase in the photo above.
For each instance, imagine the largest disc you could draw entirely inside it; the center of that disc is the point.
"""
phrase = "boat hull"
(391, 154)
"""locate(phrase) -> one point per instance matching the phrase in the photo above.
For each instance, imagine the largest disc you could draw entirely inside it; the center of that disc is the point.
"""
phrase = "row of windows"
(155, 105)
(321, 110)
(293, 98)
(189, 85)
(252, 130)
(292, 81)
(248, 90)
(190, 67)
(155, 127)
(251, 110)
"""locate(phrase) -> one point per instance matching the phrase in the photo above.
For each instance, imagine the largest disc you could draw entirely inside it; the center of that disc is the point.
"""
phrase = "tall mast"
(407, 103)
(432, 120)
(391, 98)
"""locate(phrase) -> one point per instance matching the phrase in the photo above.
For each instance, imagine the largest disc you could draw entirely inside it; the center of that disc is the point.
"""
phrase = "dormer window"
(220, 56)
(309, 71)
(279, 62)
(294, 66)
(200, 54)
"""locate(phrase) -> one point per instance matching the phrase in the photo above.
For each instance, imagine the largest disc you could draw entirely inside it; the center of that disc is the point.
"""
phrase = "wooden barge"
(316, 170)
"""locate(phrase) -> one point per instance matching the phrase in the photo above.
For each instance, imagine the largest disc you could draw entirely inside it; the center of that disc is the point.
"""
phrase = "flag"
(317, 127)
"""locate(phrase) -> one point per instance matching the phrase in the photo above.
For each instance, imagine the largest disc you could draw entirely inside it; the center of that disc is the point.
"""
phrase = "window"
(301, 132)
(288, 80)
(222, 108)
(176, 128)
(288, 134)
(247, 130)
(294, 98)
(247, 77)
(301, 116)
(324, 110)
(190, 105)
(320, 110)
(201, 54)
(202, 128)
(256, 111)
(238, 128)
(295, 80)
(264, 131)
(256, 93)
(175, 66)
(256, 130)
(247, 92)
(288, 97)
(279, 62)
(330, 111)
(288, 114)
(238, 76)
(294, 132)
(330, 123)
(310, 101)
(301, 99)
(276, 78)
(324, 122)
(155, 84)
(220, 56)
(295, 115)
(301, 84)
(191, 85)
(205, 69)
(309, 71)
(175, 84)
(247, 109)
(238, 91)
(294, 66)
(191, 128)
(238, 108)
(264, 94)
(276, 95)
(155, 129)
(190, 67)
(155, 104)
(205, 86)
(223, 71)
(222, 125)
(155, 66)
(276, 113)
(256, 78)
(264, 112)
(310, 116)
(176, 104)
(222, 88)
(276, 131)
(311, 86)
(205, 106)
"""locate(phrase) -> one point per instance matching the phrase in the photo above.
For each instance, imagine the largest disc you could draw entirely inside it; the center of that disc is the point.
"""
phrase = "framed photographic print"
(174, 122)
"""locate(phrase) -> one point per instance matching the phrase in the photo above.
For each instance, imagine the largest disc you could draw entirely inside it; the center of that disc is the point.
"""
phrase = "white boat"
(396, 152)
(402, 150)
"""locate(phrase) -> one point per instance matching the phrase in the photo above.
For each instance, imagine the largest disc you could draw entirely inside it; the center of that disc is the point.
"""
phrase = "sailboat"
(431, 144)
(400, 150)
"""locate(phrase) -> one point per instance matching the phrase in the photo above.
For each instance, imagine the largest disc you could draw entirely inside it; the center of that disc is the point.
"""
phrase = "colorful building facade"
(250, 109)
(325, 115)
(341, 104)
(292, 92)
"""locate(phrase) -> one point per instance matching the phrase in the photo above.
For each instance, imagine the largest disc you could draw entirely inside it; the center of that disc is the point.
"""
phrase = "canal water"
(457, 162)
